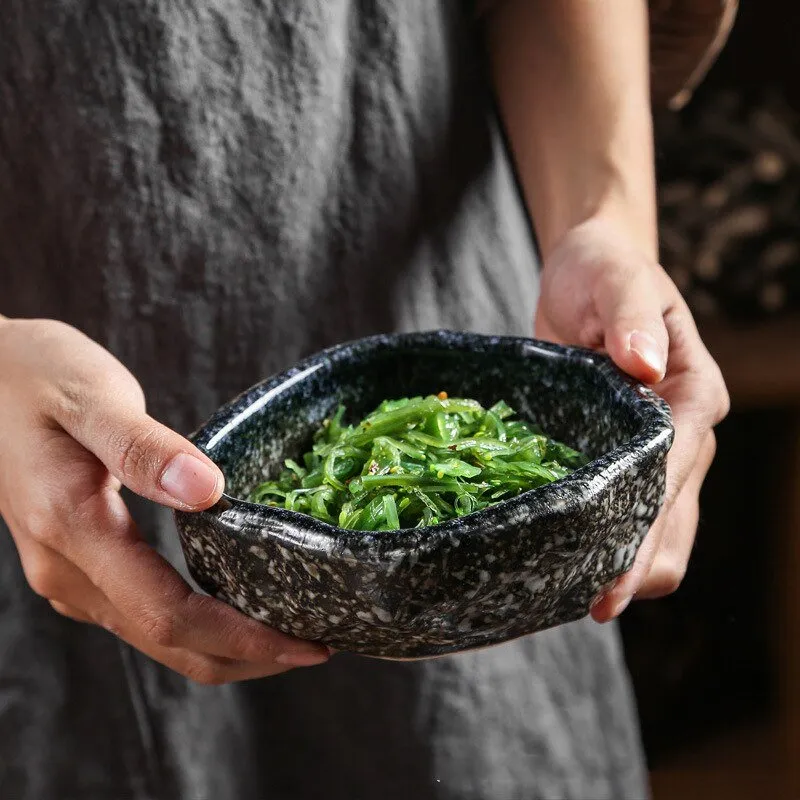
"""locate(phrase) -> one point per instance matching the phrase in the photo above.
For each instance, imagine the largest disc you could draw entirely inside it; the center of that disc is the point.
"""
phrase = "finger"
(55, 579)
(162, 607)
(73, 595)
(83, 390)
(619, 595)
(668, 568)
(631, 317)
(144, 455)
(205, 669)
(696, 393)
(662, 559)
(68, 590)
(71, 612)
(200, 667)
(90, 526)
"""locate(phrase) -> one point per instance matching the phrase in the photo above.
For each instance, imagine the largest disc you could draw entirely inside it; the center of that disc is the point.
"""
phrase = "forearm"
(572, 82)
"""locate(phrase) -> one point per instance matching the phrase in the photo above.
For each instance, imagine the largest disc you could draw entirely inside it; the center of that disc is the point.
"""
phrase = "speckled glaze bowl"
(526, 564)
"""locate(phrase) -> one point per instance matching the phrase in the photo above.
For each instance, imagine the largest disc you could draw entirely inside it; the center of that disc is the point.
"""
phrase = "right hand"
(73, 429)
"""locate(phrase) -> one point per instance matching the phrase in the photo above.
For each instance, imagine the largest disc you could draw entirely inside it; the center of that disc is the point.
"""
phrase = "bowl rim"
(657, 431)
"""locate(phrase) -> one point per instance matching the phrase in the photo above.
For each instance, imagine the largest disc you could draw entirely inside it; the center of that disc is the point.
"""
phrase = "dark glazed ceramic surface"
(526, 564)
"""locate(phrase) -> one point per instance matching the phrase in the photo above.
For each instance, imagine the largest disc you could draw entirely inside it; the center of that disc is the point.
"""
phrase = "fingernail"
(189, 480)
(605, 591)
(621, 606)
(302, 658)
(647, 348)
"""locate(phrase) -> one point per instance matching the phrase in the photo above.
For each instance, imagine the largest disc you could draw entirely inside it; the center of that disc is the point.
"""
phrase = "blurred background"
(716, 666)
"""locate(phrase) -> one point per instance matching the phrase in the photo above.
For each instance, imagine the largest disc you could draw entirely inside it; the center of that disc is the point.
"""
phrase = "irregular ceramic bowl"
(526, 564)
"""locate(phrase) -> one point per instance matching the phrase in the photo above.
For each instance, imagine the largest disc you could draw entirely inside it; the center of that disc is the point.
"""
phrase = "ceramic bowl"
(523, 565)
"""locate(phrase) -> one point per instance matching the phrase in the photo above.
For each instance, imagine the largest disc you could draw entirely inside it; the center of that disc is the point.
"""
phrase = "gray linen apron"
(213, 189)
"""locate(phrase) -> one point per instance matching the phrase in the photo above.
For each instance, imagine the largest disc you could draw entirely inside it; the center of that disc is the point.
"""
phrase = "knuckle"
(710, 448)
(111, 625)
(250, 648)
(70, 612)
(666, 576)
(135, 452)
(107, 619)
(243, 638)
(724, 404)
(206, 672)
(66, 399)
(42, 529)
(43, 578)
(161, 629)
(71, 398)
(62, 608)
(718, 400)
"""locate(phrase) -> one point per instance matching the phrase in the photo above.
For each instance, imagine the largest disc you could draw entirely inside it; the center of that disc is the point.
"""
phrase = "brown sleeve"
(686, 36)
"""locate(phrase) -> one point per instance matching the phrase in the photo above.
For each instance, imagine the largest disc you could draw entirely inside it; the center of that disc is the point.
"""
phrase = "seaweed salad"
(415, 462)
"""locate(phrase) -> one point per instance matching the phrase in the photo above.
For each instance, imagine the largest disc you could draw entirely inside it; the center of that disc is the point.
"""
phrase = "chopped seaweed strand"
(417, 461)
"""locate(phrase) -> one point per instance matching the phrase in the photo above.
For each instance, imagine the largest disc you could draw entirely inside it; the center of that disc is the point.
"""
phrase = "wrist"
(607, 176)
(616, 210)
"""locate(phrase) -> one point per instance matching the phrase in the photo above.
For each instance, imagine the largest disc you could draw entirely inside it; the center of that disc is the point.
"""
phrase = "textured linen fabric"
(213, 189)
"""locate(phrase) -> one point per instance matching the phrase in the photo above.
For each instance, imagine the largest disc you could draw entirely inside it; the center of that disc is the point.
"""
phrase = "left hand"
(600, 290)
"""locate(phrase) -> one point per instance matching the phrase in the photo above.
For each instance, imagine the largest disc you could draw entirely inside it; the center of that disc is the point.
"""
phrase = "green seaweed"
(415, 462)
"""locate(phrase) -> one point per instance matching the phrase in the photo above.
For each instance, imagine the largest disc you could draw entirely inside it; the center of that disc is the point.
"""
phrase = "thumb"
(146, 456)
(632, 321)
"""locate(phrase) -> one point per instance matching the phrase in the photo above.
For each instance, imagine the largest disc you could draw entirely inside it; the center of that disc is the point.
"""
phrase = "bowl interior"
(575, 396)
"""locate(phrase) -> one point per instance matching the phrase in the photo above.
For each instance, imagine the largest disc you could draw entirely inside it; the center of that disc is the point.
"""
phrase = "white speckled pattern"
(512, 569)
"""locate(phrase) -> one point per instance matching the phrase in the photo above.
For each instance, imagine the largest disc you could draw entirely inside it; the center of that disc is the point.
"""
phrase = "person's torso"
(214, 189)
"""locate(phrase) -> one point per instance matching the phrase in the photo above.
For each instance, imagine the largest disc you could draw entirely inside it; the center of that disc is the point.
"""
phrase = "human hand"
(72, 430)
(600, 290)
